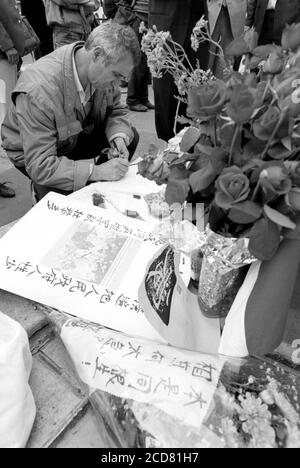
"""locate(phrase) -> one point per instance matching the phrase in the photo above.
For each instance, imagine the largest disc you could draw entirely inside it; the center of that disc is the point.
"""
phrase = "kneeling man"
(66, 108)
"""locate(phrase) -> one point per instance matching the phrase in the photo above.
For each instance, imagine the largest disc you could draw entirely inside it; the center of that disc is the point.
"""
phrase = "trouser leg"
(65, 36)
(138, 82)
(165, 90)
(223, 35)
(267, 32)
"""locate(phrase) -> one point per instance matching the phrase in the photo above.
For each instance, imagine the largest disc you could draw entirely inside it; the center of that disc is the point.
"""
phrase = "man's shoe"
(6, 192)
(149, 105)
(138, 108)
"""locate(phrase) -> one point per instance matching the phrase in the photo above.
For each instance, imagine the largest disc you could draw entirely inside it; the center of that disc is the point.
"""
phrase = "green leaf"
(184, 120)
(264, 51)
(279, 218)
(202, 179)
(177, 191)
(189, 139)
(264, 239)
(245, 213)
(170, 157)
(187, 157)
(179, 172)
(204, 149)
(218, 159)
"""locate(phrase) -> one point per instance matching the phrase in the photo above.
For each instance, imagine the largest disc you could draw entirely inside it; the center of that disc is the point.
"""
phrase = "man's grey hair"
(114, 41)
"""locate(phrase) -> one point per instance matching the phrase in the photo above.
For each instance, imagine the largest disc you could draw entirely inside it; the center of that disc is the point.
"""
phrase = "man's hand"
(12, 56)
(112, 170)
(121, 147)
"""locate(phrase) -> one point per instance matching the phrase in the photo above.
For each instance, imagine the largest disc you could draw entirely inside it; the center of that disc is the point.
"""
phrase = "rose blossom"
(207, 100)
(291, 37)
(233, 186)
(293, 199)
(276, 179)
(264, 127)
(242, 103)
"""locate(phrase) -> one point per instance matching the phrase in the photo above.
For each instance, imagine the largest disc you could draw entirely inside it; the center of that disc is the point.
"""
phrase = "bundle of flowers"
(240, 153)
(259, 416)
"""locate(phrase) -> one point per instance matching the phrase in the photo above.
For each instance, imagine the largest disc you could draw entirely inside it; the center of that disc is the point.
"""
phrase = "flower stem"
(234, 139)
(281, 119)
(176, 117)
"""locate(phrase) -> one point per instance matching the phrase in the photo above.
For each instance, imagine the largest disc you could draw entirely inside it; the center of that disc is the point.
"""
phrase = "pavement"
(65, 417)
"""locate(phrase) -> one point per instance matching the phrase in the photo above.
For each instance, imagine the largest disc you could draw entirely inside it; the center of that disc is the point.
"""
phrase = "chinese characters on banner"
(80, 259)
(180, 383)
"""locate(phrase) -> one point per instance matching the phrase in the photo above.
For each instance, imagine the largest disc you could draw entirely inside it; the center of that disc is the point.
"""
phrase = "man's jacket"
(77, 15)
(237, 12)
(174, 16)
(286, 12)
(42, 125)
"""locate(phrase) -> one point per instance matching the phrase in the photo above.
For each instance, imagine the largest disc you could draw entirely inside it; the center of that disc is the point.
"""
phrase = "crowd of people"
(65, 108)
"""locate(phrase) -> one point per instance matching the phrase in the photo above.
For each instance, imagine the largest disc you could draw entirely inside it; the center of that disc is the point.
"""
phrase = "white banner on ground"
(82, 260)
(180, 383)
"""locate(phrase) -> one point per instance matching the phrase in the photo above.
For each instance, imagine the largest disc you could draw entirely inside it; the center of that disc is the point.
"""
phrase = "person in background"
(133, 13)
(179, 17)
(269, 17)
(227, 22)
(110, 8)
(11, 48)
(71, 20)
(34, 10)
(64, 112)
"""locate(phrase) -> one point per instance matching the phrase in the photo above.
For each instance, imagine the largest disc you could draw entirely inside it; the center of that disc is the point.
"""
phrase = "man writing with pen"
(65, 111)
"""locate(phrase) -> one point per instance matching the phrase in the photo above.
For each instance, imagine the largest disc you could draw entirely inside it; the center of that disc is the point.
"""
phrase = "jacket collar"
(70, 92)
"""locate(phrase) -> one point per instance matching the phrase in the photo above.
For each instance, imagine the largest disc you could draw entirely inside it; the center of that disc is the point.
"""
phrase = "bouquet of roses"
(240, 154)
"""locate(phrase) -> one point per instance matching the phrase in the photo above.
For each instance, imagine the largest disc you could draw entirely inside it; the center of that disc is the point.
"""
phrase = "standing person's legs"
(165, 89)
(34, 10)
(8, 74)
(223, 35)
(138, 85)
(137, 94)
(267, 32)
(165, 106)
(65, 36)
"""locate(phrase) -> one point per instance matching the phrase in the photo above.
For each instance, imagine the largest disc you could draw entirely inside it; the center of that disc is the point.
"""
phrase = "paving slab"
(83, 432)
(57, 404)
(26, 312)
(56, 356)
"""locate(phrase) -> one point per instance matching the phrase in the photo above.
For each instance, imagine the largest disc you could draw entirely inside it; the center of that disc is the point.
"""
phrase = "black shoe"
(138, 108)
(6, 192)
(149, 105)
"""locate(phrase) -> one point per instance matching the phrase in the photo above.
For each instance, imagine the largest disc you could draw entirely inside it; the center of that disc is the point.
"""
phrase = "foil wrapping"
(184, 237)
(222, 273)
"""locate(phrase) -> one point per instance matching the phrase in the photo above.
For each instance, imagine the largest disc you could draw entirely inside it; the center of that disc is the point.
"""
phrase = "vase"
(224, 267)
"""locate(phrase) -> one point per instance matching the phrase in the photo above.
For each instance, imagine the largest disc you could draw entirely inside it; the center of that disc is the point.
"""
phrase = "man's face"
(102, 75)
